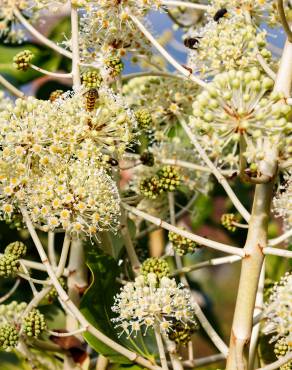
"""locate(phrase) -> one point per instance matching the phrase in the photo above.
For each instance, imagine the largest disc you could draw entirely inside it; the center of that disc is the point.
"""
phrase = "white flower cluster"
(238, 107)
(54, 157)
(148, 303)
(229, 44)
(107, 28)
(282, 202)
(278, 310)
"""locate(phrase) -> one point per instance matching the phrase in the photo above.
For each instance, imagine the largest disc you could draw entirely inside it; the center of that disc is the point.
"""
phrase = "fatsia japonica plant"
(111, 183)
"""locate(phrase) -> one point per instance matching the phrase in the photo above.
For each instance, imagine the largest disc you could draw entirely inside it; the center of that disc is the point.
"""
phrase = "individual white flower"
(278, 310)
(238, 107)
(143, 304)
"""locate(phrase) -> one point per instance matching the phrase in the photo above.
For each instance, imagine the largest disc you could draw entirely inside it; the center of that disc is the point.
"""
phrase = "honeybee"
(91, 97)
(220, 14)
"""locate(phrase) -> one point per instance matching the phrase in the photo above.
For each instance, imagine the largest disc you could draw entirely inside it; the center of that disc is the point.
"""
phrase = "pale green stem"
(11, 88)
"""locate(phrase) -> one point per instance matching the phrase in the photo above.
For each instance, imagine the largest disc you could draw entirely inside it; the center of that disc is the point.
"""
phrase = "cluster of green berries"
(181, 332)
(281, 348)
(91, 79)
(155, 265)
(115, 65)
(144, 119)
(8, 337)
(166, 179)
(22, 60)
(181, 245)
(34, 323)
(227, 220)
(55, 95)
(147, 159)
(53, 295)
(9, 262)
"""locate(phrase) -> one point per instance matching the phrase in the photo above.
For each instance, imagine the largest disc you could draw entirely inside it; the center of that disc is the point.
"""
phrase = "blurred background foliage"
(216, 287)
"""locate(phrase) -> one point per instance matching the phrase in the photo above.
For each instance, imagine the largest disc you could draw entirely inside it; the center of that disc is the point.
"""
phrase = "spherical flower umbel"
(34, 323)
(114, 66)
(78, 197)
(182, 245)
(238, 106)
(278, 310)
(181, 333)
(91, 79)
(9, 265)
(17, 248)
(228, 219)
(226, 45)
(157, 266)
(8, 337)
(143, 304)
(169, 178)
(150, 187)
(22, 60)
(143, 118)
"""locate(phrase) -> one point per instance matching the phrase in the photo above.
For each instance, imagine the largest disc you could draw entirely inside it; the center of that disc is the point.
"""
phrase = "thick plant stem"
(249, 278)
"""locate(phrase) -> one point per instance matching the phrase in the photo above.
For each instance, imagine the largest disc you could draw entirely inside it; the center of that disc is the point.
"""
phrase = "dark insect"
(192, 42)
(113, 162)
(220, 14)
(91, 97)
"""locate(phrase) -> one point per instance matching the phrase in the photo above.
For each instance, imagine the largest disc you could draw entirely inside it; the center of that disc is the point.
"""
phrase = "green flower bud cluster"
(147, 159)
(181, 332)
(91, 79)
(34, 323)
(182, 245)
(53, 294)
(227, 220)
(115, 65)
(22, 60)
(8, 337)
(155, 265)
(169, 178)
(281, 348)
(55, 95)
(144, 119)
(166, 179)
(9, 264)
(150, 187)
(17, 248)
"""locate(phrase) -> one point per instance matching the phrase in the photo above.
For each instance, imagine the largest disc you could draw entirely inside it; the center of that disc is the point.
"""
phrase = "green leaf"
(97, 301)
(203, 209)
